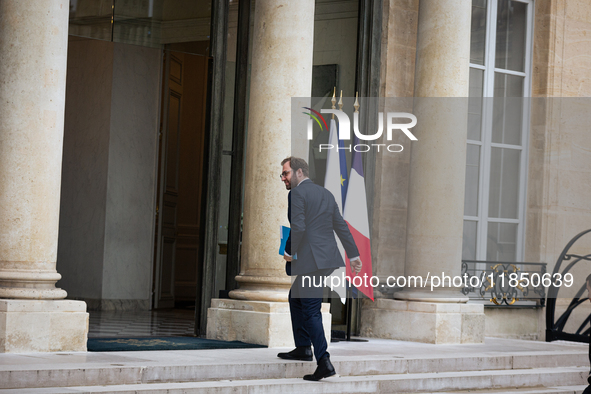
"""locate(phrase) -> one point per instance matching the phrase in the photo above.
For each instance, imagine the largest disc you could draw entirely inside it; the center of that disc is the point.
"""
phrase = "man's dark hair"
(296, 163)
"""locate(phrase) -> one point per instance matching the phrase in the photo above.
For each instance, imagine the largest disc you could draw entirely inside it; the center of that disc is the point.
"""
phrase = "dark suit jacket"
(314, 215)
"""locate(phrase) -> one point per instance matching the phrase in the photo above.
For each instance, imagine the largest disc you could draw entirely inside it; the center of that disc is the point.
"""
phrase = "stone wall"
(129, 227)
(559, 203)
(399, 38)
(105, 244)
(559, 187)
(85, 156)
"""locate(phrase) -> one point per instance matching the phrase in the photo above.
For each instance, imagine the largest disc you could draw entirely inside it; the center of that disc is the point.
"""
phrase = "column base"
(258, 322)
(428, 322)
(43, 326)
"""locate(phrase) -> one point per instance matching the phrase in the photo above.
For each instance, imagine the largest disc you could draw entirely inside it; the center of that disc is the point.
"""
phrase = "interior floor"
(126, 324)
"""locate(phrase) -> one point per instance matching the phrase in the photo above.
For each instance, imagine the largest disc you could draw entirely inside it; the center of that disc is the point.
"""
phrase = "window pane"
(504, 183)
(507, 109)
(472, 177)
(511, 25)
(501, 242)
(475, 104)
(469, 243)
(478, 34)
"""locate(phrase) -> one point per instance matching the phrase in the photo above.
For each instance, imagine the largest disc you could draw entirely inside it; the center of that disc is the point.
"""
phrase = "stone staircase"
(379, 366)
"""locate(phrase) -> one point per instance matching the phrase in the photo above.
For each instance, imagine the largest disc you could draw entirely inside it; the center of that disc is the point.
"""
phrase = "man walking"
(314, 216)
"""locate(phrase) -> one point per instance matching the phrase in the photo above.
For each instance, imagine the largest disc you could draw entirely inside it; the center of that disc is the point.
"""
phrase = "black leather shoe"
(301, 353)
(324, 370)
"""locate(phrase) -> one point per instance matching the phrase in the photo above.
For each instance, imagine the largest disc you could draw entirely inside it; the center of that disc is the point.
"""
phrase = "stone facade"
(560, 159)
(558, 206)
(417, 207)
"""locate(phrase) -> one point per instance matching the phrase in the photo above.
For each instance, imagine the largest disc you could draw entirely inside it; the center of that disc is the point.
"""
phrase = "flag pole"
(334, 100)
(348, 303)
(348, 312)
(348, 293)
(361, 235)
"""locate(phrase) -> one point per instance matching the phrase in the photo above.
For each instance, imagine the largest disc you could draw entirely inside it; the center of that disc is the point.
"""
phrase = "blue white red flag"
(333, 181)
(355, 214)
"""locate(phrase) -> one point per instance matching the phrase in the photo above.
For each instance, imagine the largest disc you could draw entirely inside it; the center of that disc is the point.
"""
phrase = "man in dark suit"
(314, 216)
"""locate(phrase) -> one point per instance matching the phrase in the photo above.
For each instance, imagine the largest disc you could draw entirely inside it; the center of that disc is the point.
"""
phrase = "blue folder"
(284, 234)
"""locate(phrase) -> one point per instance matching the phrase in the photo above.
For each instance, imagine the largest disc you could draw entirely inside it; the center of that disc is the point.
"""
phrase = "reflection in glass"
(478, 33)
(475, 104)
(154, 23)
(504, 183)
(507, 109)
(159, 22)
(469, 243)
(511, 25)
(501, 244)
(472, 180)
(334, 65)
(91, 18)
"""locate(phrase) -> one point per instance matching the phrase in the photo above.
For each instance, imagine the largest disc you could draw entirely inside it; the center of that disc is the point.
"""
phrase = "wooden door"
(176, 268)
(191, 154)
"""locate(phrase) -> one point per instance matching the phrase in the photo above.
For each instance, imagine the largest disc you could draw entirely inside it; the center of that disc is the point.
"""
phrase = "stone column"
(33, 48)
(281, 69)
(438, 160)
(436, 187)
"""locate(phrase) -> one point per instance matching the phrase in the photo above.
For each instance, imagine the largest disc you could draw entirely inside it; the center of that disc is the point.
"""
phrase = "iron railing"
(505, 283)
(555, 326)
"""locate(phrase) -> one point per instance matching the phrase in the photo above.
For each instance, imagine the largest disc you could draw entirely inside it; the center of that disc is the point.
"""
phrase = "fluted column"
(33, 49)
(281, 69)
(438, 158)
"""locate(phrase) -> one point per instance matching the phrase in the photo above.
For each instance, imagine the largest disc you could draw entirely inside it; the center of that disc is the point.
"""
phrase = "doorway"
(179, 187)
(139, 78)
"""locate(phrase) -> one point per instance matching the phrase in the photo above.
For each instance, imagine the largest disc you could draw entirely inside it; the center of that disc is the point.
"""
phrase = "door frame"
(212, 162)
(160, 178)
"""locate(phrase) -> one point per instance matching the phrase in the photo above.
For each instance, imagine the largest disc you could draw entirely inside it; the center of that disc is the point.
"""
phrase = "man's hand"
(356, 265)
(286, 257)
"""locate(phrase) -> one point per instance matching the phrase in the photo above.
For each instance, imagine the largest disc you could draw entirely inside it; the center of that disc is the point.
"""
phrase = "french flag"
(355, 214)
(335, 181)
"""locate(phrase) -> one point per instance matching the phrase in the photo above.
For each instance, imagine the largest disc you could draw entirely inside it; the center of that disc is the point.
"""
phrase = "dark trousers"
(305, 302)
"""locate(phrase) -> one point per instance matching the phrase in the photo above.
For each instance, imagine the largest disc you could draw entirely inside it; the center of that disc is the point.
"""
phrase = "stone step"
(137, 372)
(526, 390)
(55, 375)
(537, 380)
